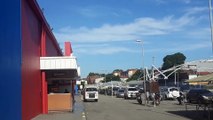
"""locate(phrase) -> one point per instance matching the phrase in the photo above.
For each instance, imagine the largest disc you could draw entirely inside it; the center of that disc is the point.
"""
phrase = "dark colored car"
(200, 96)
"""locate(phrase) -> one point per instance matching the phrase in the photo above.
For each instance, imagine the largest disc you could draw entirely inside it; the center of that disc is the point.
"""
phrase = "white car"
(130, 92)
(170, 92)
(90, 93)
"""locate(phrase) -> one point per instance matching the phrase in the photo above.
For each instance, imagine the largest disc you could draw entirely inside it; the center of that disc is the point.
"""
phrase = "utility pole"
(175, 77)
(153, 60)
(144, 71)
(211, 24)
(105, 83)
(153, 71)
(112, 88)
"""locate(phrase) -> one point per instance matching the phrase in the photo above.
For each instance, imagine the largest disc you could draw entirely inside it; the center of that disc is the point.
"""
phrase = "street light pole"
(175, 78)
(105, 85)
(112, 89)
(211, 24)
(105, 72)
(144, 72)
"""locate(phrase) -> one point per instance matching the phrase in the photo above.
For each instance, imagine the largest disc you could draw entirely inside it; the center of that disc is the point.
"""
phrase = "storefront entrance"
(60, 76)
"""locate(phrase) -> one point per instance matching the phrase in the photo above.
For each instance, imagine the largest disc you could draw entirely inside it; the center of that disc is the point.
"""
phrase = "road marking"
(83, 116)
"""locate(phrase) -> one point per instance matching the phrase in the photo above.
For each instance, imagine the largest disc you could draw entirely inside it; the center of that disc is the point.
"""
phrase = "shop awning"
(60, 68)
(205, 78)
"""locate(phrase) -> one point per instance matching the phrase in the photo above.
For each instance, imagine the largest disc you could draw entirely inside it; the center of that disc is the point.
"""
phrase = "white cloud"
(94, 39)
(167, 1)
(139, 27)
(103, 49)
(202, 33)
(182, 47)
(191, 47)
(196, 10)
(99, 11)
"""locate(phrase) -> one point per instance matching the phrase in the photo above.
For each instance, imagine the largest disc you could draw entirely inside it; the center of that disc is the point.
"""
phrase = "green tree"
(111, 77)
(117, 70)
(172, 60)
(96, 74)
(92, 74)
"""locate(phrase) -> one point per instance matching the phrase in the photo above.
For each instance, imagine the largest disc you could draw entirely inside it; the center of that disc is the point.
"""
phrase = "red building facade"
(25, 37)
(37, 40)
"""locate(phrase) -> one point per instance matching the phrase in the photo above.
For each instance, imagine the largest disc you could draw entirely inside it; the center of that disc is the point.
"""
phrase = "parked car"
(130, 92)
(112, 91)
(120, 93)
(169, 92)
(90, 93)
(200, 96)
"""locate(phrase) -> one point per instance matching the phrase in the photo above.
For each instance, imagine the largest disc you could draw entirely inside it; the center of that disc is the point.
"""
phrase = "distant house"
(202, 67)
(194, 69)
(98, 80)
(124, 74)
(91, 79)
(199, 71)
(117, 72)
(131, 72)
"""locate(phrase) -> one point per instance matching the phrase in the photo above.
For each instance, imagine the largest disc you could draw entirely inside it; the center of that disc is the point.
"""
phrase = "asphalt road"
(111, 108)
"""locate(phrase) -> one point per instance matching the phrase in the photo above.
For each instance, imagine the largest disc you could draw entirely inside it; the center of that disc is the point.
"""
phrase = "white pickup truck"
(90, 93)
(130, 92)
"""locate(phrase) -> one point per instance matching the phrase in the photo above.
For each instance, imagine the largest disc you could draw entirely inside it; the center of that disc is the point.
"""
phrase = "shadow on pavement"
(194, 114)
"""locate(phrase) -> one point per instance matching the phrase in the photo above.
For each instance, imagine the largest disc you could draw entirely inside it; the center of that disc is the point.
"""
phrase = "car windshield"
(204, 92)
(115, 88)
(120, 90)
(132, 89)
(91, 89)
(173, 89)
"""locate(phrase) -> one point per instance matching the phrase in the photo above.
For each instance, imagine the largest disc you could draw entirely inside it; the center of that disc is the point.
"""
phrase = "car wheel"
(162, 98)
(165, 97)
(140, 101)
(189, 101)
(124, 97)
(199, 102)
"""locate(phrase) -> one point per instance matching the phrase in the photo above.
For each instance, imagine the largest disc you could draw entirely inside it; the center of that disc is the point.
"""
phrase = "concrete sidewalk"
(77, 114)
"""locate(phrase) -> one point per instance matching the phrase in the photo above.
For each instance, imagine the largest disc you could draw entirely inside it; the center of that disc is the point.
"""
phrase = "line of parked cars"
(120, 92)
(195, 95)
(165, 92)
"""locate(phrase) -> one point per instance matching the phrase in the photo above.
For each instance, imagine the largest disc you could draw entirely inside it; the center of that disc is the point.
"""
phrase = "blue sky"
(103, 32)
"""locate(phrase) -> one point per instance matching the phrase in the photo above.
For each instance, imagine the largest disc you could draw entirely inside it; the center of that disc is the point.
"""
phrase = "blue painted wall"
(10, 61)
